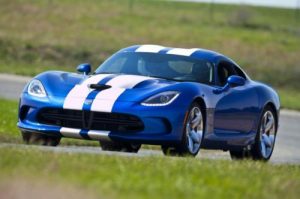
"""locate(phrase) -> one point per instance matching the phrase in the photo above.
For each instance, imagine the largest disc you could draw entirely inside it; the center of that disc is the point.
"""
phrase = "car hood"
(122, 87)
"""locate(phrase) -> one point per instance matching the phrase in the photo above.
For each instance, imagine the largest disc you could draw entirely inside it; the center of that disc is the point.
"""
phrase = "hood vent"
(99, 87)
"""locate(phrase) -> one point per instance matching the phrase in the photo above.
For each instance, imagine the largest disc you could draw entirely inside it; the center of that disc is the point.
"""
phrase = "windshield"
(173, 67)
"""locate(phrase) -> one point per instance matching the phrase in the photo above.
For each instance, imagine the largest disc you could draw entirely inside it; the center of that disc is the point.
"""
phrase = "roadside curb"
(288, 112)
(17, 78)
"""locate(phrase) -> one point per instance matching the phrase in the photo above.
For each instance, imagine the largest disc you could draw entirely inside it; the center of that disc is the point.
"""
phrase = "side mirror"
(232, 81)
(235, 80)
(84, 68)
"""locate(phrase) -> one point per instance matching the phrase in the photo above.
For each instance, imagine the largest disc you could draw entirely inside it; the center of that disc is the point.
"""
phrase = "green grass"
(290, 99)
(152, 177)
(59, 34)
(37, 36)
(8, 121)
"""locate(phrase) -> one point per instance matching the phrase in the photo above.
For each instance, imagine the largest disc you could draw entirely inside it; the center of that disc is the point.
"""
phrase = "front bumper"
(162, 125)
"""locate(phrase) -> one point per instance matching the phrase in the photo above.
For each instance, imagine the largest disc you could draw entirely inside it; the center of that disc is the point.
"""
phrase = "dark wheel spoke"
(196, 121)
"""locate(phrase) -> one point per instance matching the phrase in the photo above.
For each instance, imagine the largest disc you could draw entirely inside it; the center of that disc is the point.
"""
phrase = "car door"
(236, 110)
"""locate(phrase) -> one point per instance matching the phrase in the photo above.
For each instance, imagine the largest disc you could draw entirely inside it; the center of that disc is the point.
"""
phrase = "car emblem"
(88, 101)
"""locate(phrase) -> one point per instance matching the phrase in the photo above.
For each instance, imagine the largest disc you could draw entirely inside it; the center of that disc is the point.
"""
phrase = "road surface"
(287, 148)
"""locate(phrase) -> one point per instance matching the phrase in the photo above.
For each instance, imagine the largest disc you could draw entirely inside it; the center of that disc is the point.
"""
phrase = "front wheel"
(193, 134)
(40, 139)
(118, 146)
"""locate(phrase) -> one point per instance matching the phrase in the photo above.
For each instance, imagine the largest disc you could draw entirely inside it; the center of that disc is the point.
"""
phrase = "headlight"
(161, 99)
(36, 88)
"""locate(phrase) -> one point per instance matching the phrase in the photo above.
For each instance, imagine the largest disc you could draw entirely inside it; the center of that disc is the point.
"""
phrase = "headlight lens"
(161, 99)
(36, 88)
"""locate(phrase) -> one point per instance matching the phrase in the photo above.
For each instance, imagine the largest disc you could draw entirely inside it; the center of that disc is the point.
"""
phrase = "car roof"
(197, 53)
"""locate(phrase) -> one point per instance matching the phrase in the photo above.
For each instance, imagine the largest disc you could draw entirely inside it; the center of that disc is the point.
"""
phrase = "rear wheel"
(264, 140)
(40, 139)
(192, 134)
(119, 146)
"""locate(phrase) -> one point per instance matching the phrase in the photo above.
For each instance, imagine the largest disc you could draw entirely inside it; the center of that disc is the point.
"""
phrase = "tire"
(265, 136)
(118, 146)
(264, 139)
(237, 155)
(39, 139)
(240, 154)
(192, 135)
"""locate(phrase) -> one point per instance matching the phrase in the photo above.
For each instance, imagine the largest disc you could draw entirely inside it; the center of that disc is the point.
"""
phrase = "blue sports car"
(181, 99)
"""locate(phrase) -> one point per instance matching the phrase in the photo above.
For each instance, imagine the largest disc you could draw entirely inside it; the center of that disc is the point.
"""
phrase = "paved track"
(287, 149)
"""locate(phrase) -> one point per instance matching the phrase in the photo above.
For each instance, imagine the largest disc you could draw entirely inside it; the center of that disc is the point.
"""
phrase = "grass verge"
(264, 41)
(34, 36)
(290, 99)
(152, 177)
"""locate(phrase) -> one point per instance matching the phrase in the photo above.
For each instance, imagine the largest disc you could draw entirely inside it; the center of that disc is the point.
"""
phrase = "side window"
(203, 72)
(225, 69)
(239, 72)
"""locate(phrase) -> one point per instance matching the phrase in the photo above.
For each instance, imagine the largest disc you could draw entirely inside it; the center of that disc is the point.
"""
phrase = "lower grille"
(90, 120)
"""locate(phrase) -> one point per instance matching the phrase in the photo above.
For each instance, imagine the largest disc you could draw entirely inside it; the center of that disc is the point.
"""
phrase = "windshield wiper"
(104, 73)
(166, 78)
(110, 73)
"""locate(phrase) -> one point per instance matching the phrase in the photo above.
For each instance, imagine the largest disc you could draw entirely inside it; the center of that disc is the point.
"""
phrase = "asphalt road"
(11, 86)
(287, 147)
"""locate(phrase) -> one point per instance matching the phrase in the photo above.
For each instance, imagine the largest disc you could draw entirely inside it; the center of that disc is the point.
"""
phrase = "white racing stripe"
(149, 48)
(79, 93)
(182, 51)
(76, 97)
(70, 132)
(104, 101)
(127, 81)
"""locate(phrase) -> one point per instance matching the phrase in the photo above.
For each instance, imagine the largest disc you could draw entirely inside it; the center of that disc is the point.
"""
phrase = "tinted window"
(174, 67)
(239, 72)
(225, 70)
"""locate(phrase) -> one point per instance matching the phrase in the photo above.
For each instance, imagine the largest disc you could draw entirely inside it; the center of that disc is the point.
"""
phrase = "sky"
(269, 3)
